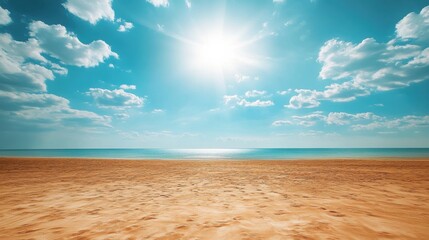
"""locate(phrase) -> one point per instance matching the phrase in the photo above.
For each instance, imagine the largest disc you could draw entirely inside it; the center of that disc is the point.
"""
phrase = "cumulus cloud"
(16, 73)
(46, 110)
(127, 87)
(158, 3)
(5, 16)
(342, 118)
(333, 118)
(257, 103)
(254, 93)
(24, 67)
(309, 120)
(371, 66)
(117, 98)
(66, 47)
(125, 26)
(344, 92)
(414, 26)
(304, 99)
(401, 123)
(158, 111)
(24, 70)
(91, 11)
(356, 121)
(239, 101)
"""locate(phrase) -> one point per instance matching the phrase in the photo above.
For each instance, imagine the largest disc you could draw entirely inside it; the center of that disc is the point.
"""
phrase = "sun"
(216, 51)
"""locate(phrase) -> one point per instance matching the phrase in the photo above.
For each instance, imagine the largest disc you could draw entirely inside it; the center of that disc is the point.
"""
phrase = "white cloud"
(370, 66)
(254, 93)
(5, 16)
(13, 101)
(236, 100)
(159, 3)
(333, 118)
(231, 99)
(111, 65)
(17, 73)
(126, 87)
(241, 78)
(366, 121)
(158, 111)
(342, 118)
(188, 3)
(122, 116)
(125, 26)
(91, 11)
(305, 99)
(309, 120)
(46, 110)
(285, 92)
(257, 103)
(279, 123)
(278, 1)
(414, 26)
(23, 66)
(66, 47)
(117, 98)
(401, 123)
(23, 101)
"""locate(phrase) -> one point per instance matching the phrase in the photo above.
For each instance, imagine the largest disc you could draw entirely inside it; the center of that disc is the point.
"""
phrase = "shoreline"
(393, 158)
(63, 198)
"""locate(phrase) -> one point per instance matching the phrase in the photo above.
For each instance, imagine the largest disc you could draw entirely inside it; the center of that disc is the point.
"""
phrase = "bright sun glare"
(216, 51)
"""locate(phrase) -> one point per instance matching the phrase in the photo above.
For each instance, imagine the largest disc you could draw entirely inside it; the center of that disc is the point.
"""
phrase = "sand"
(123, 199)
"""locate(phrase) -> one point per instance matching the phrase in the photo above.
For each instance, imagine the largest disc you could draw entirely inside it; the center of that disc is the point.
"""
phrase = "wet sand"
(122, 199)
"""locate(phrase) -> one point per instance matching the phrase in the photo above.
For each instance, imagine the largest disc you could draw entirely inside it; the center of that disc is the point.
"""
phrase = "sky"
(214, 74)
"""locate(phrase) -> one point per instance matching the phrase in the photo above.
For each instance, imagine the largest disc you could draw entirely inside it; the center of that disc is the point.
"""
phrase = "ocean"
(242, 153)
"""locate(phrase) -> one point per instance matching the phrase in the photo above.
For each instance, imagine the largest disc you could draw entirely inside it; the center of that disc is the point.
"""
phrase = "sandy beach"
(124, 199)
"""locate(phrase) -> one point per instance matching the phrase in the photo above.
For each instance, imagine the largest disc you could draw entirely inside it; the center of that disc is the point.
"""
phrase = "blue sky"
(214, 74)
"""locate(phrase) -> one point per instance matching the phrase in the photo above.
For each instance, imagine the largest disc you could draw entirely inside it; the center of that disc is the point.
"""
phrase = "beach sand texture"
(123, 199)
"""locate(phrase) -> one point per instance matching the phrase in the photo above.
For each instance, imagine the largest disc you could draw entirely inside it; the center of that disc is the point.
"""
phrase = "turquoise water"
(248, 153)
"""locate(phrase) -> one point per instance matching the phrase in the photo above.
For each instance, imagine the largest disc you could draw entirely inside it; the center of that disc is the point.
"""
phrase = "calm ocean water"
(249, 153)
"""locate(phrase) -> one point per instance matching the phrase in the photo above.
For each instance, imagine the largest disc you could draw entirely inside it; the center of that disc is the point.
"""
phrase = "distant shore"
(63, 198)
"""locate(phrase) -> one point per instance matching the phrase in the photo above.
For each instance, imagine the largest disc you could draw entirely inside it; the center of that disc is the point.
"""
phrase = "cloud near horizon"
(365, 121)
(46, 111)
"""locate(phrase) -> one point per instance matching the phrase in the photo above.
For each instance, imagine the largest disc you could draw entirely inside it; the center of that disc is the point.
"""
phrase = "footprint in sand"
(173, 236)
(336, 214)
(149, 217)
(181, 227)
